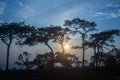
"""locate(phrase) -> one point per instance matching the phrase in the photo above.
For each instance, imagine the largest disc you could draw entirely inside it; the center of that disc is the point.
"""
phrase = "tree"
(42, 35)
(60, 36)
(55, 33)
(10, 32)
(43, 61)
(112, 58)
(23, 60)
(65, 59)
(101, 40)
(82, 27)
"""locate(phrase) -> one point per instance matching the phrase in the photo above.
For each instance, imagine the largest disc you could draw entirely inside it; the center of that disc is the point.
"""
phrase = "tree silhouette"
(65, 59)
(99, 41)
(9, 32)
(57, 34)
(60, 36)
(43, 61)
(109, 59)
(112, 58)
(117, 52)
(38, 61)
(44, 35)
(23, 60)
(82, 27)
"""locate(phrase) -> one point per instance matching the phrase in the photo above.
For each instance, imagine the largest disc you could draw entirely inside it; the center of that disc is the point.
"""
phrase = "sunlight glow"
(67, 46)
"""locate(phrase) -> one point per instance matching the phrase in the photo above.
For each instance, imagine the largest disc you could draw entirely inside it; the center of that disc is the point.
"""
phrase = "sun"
(67, 46)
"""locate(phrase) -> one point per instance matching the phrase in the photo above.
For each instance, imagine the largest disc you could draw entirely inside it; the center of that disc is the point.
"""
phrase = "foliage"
(60, 35)
(102, 38)
(9, 32)
(66, 59)
(23, 60)
(99, 42)
(82, 27)
(43, 61)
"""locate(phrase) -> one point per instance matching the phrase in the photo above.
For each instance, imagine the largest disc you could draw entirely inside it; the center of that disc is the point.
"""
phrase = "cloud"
(20, 3)
(111, 10)
(2, 7)
(113, 5)
(68, 13)
(119, 10)
(107, 15)
(25, 11)
(25, 6)
(28, 8)
(58, 17)
(28, 13)
(109, 5)
(114, 15)
(100, 14)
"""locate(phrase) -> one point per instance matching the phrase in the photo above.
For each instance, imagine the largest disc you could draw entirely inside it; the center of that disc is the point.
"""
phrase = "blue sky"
(40, 13)
(105, 13)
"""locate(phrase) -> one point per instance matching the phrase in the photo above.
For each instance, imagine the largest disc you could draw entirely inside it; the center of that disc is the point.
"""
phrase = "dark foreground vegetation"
(104, 64)
(68, 74)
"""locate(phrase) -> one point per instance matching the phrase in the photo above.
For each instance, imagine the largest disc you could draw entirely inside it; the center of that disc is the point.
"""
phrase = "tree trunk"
(7, 61)
(95, 62)
(49, 47)
(62, 47)
(52, 61)
(8, 53)
(83, 42)
(97, 57)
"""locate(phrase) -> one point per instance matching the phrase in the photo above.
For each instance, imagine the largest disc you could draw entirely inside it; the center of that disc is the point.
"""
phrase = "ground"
(60, 75)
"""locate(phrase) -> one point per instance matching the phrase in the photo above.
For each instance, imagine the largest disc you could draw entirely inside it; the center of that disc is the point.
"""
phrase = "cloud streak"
(113, 5)
(25, 11)
(2, 7)
(110, 11)
(20, 3)
(107, 15)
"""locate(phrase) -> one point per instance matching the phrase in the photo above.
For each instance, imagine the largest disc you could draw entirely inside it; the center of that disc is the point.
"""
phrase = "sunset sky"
(40, 13)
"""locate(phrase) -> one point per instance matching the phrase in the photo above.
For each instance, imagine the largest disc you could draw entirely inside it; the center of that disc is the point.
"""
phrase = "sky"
(41, 13)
